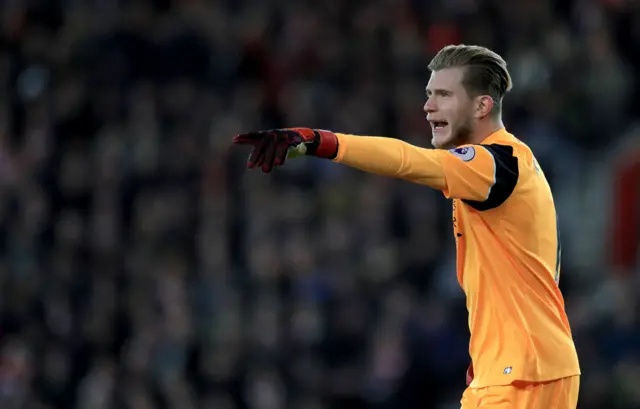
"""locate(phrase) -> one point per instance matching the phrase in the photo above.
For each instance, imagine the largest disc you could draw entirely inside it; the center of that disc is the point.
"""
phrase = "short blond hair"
(485, 70)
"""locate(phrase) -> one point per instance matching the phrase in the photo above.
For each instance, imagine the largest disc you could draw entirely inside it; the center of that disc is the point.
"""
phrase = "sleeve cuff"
(342, 148)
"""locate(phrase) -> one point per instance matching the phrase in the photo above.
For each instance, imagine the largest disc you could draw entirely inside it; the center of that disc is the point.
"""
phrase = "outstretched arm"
(483, 175)
(392, 157)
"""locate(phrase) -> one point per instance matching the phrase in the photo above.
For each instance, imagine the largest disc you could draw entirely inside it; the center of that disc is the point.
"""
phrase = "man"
(504, 221)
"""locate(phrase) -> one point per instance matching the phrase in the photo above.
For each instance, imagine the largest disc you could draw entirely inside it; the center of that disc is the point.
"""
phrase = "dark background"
(142, 268)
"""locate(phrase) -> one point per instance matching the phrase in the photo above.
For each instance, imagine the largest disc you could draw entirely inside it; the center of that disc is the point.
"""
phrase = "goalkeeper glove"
(271, 147)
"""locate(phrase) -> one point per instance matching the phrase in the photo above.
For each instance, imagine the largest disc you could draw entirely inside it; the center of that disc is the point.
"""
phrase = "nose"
(429, 106)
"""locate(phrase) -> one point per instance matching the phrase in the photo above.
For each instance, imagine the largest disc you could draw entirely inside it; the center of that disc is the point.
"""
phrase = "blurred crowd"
(141, 267)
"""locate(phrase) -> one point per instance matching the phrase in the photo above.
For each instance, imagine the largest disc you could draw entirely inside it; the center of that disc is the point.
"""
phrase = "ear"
(484, 106)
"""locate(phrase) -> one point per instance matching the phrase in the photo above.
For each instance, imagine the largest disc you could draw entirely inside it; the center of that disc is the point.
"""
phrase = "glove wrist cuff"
(327, 144)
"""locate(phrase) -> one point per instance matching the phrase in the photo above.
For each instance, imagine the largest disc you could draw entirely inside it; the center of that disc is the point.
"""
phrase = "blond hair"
(485, 71)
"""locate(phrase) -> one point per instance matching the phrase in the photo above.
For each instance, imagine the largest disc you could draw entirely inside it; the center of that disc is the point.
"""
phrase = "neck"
(484, 129)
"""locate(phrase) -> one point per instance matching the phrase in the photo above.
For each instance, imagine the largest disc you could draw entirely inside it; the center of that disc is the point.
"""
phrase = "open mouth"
(439, 125)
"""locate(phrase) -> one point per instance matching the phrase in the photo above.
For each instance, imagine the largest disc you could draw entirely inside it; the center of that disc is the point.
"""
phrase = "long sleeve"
(392, 157)
(484, 175)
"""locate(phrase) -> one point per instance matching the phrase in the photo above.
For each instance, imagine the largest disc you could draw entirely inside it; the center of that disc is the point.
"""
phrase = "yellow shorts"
(558, 394)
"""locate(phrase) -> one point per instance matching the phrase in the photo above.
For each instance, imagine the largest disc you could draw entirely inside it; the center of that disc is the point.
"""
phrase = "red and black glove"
(270, 147)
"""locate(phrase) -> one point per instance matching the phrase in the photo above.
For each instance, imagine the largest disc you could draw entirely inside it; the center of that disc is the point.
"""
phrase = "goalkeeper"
(504, 221)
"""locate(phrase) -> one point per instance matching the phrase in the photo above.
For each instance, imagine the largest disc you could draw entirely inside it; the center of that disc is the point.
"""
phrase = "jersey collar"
(500, 134)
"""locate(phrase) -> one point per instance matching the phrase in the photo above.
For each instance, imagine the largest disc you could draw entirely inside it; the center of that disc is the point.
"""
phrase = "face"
(450, 110)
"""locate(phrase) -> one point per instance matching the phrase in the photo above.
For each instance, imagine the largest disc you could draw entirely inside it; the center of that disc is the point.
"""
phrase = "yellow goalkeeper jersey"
(508, 248)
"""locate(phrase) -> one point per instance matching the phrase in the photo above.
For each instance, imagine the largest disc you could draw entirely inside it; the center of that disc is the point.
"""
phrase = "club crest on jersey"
(465, 153)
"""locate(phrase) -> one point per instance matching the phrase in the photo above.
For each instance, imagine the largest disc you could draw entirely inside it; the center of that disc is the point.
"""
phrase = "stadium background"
(141, 267)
